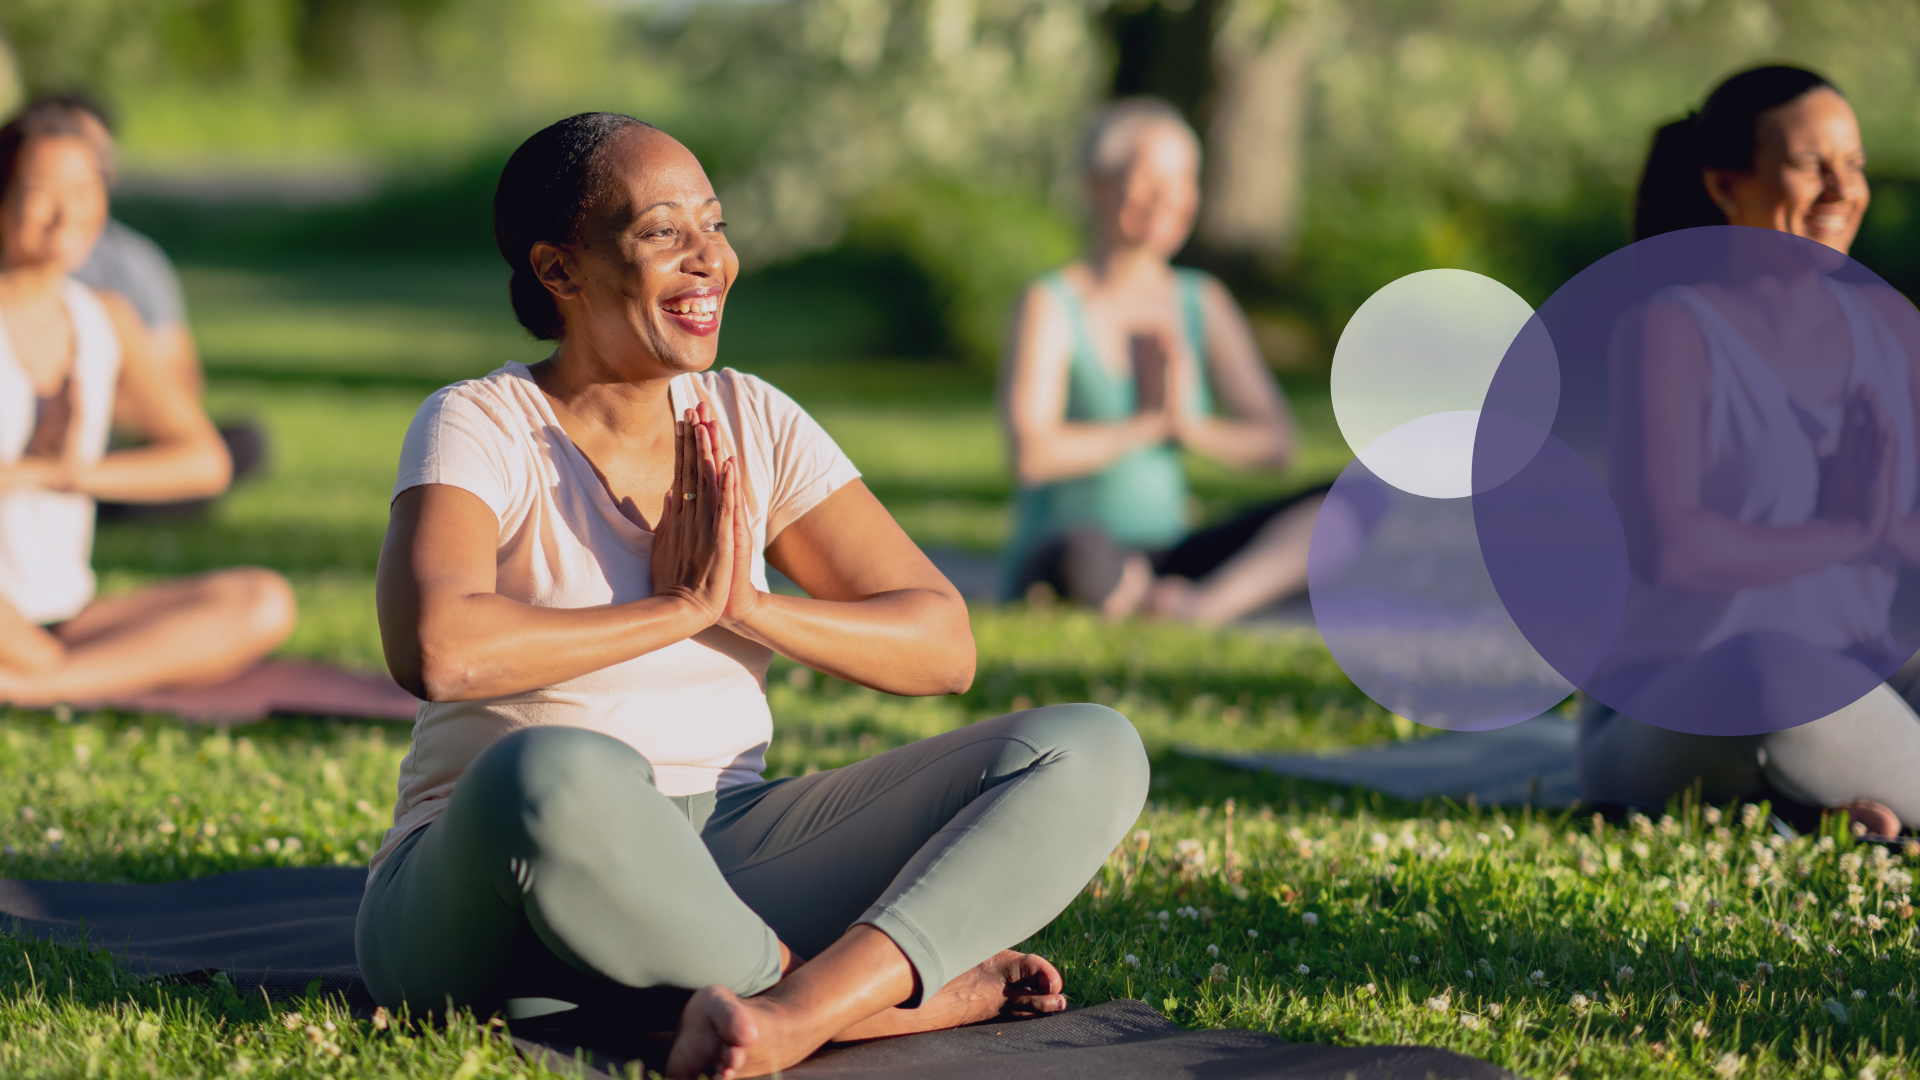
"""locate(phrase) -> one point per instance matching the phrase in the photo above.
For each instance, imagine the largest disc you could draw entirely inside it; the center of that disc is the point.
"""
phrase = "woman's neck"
(586, 386)
(1119, 266)
(30, 284)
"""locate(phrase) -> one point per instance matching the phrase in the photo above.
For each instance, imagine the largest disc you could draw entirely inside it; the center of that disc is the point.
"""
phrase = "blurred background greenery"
(894, 169)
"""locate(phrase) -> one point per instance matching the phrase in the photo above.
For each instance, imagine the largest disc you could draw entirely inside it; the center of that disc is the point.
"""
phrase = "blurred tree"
(947, 125)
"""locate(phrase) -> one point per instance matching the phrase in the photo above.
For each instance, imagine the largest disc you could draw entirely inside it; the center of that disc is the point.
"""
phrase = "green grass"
(1429, 922)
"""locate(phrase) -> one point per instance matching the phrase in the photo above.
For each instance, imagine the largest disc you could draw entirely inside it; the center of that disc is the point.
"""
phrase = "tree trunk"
(1256, 135)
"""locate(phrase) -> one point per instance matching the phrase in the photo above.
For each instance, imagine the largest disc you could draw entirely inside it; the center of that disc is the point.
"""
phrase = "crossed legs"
(187, 632)
(903, 878)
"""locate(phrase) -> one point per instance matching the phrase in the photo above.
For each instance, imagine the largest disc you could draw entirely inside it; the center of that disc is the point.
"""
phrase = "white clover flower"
(1538, 978)
(1701, 1030)
(1763, 968)
(1668, 826)
(1580, 1003)
(1712, 815)
(1749, 815)
(1213, 950)
(1470, 1021)
(1369, 988)
(1624, 975)
(1204, 914)
(1681, 907)
(55, 835)
(1859, 995)
(1728, 1066)
(1217, 973)
(1163, 916)
(1303, 969)
(1506, 830)
(1494, 1010)
(1310, 919)
(1874, 922)
(1440, 1004)
(1640, 849)
(1130, 960)
(1413, 959)
(1832, 949)
(1483, 838)
(1253, 933)
(1825, 844)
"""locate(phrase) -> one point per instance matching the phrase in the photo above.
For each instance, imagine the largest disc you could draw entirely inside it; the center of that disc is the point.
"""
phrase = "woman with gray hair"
(1115, 363)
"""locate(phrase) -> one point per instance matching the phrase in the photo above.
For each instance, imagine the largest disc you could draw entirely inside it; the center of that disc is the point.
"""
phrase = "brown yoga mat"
(287, 687)
(281, 930)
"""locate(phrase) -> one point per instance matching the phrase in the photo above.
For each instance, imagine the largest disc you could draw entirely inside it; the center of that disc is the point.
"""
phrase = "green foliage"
(978, 246)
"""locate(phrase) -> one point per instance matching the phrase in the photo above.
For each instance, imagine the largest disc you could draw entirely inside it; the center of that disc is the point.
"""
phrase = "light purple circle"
(1402, 597)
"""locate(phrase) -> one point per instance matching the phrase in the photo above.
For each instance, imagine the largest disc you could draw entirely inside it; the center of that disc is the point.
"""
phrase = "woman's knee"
(260, 601)
(1095, 736)
(554, 774)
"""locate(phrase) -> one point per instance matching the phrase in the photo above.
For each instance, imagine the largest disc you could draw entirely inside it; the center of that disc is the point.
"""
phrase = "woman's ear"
(1719, 185)
(553, 265)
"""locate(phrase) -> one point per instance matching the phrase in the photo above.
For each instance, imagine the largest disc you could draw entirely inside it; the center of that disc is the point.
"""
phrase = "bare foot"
(1171, 598)
(1008, 983)
(1870, 818)
(1136, 578)
(716, 1036)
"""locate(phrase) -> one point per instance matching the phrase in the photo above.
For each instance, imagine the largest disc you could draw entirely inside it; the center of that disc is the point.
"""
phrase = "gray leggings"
(559, 877)
(1868, 750)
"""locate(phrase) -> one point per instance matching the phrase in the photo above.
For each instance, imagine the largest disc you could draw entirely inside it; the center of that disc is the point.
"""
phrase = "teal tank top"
(1141, 499)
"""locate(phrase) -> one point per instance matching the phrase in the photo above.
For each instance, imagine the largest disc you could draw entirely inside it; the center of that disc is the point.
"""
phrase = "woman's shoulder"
(505, 400)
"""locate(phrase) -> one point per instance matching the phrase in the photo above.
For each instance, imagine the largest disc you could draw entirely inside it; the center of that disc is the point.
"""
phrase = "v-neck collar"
(635, 536)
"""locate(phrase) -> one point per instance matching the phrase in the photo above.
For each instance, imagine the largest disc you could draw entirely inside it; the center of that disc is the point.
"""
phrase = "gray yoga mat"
(280, 930)
(1530, 763)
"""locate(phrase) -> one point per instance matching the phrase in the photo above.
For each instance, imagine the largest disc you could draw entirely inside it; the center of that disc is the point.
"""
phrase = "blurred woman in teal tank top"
(1116, 363)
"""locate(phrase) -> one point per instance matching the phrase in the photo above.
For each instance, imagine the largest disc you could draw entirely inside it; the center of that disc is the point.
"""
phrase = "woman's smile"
(697, 311)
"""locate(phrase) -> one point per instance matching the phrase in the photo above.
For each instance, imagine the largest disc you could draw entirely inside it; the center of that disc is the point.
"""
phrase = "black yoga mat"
(279, 930)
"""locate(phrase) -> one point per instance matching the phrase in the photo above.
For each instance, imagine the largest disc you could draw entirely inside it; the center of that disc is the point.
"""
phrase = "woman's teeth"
(698, 307)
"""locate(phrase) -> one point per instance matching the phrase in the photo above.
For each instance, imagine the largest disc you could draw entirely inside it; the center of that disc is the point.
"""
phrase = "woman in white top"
(575, 582)
(1766, 480)
(70, 359)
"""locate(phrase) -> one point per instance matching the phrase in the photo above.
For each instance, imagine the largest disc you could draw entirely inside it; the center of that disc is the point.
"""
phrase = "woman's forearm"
(1710, 552)
(1075, 449)
(913, 642)
(1242, 443)
(159, 473)
(485, 645)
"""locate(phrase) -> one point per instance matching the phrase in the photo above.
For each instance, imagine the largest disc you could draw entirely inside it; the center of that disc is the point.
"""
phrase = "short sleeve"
(454, 440)
(808, 465)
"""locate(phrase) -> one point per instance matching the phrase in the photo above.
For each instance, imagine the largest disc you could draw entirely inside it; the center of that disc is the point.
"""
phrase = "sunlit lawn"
(1699, 946)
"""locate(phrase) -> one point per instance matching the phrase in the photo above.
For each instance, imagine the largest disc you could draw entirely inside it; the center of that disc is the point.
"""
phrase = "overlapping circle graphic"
(1684, 486)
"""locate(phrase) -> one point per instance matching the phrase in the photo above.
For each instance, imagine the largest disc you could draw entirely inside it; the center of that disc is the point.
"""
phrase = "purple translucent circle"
(1403, 599)
(1744, 398)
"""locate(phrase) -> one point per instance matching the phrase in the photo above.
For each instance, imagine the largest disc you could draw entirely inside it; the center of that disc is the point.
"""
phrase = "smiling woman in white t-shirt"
(574, 580)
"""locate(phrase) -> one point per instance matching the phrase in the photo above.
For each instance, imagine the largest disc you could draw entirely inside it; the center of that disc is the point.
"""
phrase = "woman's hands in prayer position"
(697, 551)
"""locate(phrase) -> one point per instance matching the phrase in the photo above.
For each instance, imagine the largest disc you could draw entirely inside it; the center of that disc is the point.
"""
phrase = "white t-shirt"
(696, 709)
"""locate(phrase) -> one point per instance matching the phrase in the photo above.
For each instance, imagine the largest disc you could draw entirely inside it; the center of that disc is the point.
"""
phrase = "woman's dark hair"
(44, 119)
(547, 185)
(1722, 135)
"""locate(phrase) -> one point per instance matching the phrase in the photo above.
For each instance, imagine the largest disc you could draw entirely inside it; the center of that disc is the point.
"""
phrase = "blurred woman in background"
(70, 359)
(1767, 494)
(1115, 364)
